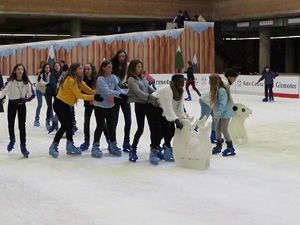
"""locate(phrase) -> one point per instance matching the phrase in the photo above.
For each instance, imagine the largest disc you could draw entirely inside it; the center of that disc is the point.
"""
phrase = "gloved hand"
(98, 98)
(216, 119)
(123, 97)
(153, 100)
(178, 124)
(257, 82)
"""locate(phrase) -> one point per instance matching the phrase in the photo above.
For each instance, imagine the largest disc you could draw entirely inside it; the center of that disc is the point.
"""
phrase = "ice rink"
(260, 185)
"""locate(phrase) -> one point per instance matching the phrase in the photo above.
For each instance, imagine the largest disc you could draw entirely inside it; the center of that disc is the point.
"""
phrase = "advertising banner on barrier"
(284, 86)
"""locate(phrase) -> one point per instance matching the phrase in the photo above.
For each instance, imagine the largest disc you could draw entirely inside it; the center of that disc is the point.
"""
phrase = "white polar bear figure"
(236, 127)
(192, 149)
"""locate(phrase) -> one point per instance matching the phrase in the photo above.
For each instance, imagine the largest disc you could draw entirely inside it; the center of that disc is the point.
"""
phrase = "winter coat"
(268, 77)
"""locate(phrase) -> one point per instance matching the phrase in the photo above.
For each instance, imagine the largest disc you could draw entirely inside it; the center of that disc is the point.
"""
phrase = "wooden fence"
(157, 53)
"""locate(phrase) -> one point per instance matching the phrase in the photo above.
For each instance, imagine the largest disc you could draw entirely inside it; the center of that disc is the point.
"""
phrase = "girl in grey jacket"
(146, 105)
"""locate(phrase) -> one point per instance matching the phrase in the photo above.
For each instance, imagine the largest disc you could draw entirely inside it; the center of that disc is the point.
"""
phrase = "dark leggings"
(154, 121)
(125, 106)
(101, 115)
(87, 118)
(269, 87)
(188, 83)
(167, 131)
(64, 114)
(13, 107)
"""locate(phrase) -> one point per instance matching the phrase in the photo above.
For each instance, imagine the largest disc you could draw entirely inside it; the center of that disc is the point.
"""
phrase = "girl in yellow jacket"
(69, 92)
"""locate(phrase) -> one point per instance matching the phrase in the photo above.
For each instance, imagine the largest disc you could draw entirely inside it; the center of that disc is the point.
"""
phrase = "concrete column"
(264, 48)
(75, 29)
(289, 55)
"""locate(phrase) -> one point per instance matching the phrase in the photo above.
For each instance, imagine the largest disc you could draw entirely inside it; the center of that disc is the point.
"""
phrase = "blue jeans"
(153, 85)
(206, 111)
(39, 97)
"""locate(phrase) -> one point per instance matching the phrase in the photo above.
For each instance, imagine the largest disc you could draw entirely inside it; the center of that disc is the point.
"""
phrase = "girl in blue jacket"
(222, 107)
(107, 85)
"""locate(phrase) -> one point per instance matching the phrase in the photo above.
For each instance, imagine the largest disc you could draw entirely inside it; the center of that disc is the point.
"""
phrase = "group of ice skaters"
(115, 86)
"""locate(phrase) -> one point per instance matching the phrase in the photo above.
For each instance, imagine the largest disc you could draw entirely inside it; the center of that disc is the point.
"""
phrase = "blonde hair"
(215, 84)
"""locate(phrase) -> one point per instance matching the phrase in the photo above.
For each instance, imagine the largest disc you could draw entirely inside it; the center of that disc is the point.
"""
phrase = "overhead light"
(266, 23)
(243, 24)
(294, 20)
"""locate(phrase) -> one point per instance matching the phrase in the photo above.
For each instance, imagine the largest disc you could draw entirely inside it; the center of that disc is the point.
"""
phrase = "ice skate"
(11, 144)
(53, 150)
(153, 157)
(218, 147)
(72, 150)
(160, 153)
(113, 149)
(132, 155)
(213, 138)
(24, 150)
(189, 98)
(85, 146)
(126, 147)
(271, 99)
(36, 122)
(265, 99)
(168, 153)
(96, 152)
(229, 151)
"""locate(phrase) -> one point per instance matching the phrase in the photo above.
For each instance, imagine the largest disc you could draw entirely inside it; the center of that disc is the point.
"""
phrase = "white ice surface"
(260, 185)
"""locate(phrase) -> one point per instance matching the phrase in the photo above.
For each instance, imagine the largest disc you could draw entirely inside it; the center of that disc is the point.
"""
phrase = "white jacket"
(172, 109)
(17, 89)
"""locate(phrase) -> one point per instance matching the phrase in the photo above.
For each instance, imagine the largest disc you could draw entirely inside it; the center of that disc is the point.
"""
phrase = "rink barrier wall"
(284, 86)
(156, 49)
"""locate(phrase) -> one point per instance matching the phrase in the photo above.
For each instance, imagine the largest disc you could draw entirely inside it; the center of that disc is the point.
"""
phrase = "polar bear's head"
(240, 110)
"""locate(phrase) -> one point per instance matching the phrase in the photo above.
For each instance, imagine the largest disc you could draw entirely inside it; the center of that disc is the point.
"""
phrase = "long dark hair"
(131, 72)
(101, 71)
(43, 72)
(55, 73)
(13, 75)
(72, 73)
(93, 74)
(119, 70)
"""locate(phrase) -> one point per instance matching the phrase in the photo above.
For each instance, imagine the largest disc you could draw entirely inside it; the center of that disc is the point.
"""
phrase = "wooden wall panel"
(157, 54)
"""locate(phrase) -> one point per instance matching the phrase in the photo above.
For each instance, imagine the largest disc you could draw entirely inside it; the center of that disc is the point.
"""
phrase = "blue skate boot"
(126, 146)
(132, 155)
(229, 150)
(271, 99)
(213, 138)
(153, 157)
(189, 98)
(168, 153)
(265, 99)
(160, 152)
(218, 147)
(85, 146)
(113, 149)
(72, 150)
(53, 150)
(11, 144)
(24, 150)
(36, 122)
(96, 152)
(53, 127)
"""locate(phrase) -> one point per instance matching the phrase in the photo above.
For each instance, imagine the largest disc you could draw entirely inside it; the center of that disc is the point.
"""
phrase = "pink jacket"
(148, 77)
